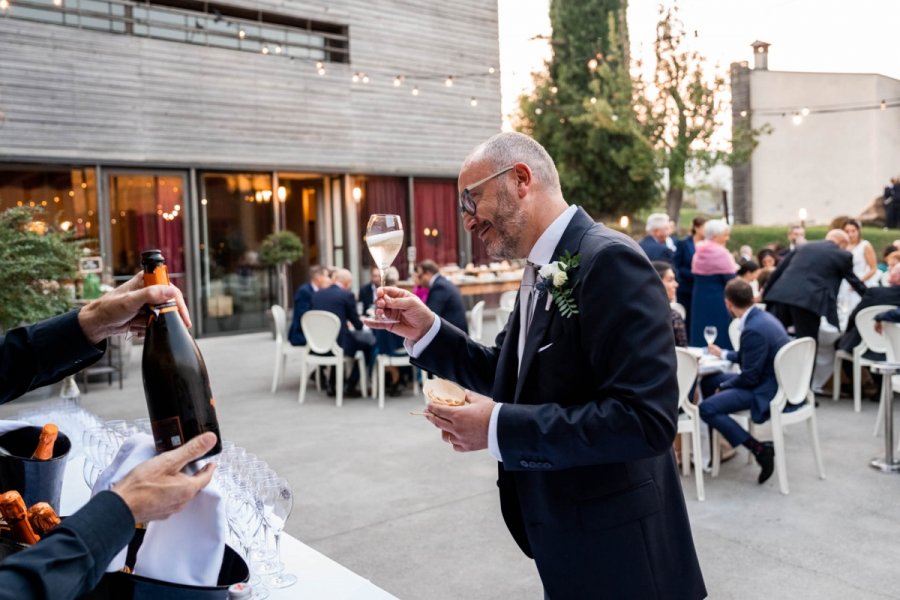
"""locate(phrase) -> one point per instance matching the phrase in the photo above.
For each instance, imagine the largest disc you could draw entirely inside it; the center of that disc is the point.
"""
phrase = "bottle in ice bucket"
(44, 450)
(12, 507)
(176, 384)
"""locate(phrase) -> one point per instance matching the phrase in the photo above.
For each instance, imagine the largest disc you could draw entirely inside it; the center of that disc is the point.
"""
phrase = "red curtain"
(388, 195)
(479, 252)
(436, 221)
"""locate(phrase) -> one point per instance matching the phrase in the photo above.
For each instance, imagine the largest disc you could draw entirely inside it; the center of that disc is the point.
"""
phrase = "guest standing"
(443, 297)
(712, 266)
(865, 266)
(654, 243)
(684, 254)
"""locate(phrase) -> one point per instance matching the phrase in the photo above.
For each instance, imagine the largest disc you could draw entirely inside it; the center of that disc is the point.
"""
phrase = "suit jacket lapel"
(569, 242)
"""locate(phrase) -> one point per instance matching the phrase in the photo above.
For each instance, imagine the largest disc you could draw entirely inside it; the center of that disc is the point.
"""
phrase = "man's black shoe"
(766, 460)
(354, 393)
(331, 392)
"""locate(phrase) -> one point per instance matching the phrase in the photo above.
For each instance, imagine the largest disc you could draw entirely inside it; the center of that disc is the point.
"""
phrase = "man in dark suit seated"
(318, 279)
(762, 335)
(443, 297)
(579, 404)
(654, 243)
(367, 291)
(873, 297)
(805, 285)
(338, 300)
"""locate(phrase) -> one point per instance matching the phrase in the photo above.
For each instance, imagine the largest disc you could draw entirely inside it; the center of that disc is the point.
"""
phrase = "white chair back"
(679, 308)
(502, 316)
(865, 325)
(321, 329)
(280, 318)
(476, 321)
(891, 333)
(508, 299)
(793, 368)
(687, 374)
(734, 334)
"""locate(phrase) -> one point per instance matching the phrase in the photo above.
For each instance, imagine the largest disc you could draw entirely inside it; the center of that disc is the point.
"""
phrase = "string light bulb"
(883, 105)
(449, 81)
(415, 91)
(592, 64)
(320, 68)
(593, 100)
(355, 78)
(492, 70)
(398, 81)
(265, 49)
(365, 78)
(797, 119)
(473, 101)
(278, 49)
(804, 111)
(57, 2)
(4, 5)
(554, 89)
(242, 34)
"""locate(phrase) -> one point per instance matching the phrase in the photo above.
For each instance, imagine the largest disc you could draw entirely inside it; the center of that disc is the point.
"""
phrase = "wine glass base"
(280, 581)
(375, 321)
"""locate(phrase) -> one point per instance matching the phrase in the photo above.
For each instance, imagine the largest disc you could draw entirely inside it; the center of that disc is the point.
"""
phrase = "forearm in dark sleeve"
(71, 560)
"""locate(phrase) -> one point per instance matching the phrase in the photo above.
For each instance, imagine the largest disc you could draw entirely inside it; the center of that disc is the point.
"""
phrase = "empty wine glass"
(278, 501)
(384, 237)
(710, 333)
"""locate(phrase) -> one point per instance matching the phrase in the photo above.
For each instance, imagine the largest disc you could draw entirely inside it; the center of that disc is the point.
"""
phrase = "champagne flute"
(278, 501)
(384, 236)
(710, 333)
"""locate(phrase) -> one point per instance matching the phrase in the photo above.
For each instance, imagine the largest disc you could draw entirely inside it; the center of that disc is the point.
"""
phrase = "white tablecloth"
(318, 577)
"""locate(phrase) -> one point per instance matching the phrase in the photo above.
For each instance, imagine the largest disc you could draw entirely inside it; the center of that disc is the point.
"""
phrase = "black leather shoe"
(766, 460)
(331, 392)
(354, 393)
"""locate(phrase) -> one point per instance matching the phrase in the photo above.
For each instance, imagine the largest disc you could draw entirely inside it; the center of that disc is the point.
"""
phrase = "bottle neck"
(159, 276)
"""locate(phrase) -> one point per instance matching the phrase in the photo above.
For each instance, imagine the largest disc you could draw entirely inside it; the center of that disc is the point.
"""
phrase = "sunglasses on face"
(466, 202)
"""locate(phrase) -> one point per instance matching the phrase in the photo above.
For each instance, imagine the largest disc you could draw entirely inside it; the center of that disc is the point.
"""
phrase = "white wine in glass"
(709, 334)
(384, 237)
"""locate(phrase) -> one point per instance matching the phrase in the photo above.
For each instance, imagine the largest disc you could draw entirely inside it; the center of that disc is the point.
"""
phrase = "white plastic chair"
(793, 371)
(865, 325)
(502, 315)
(321, 329)
(689, 419)
(508, 299)
(382, 362)
(891, 333)
(734, 334)
(476, 321)
(679, 308)
(283, 347)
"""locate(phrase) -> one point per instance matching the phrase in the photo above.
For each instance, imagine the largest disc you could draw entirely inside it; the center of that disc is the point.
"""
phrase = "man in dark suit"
(338, 300)
(367, 291)
(654, 243)
(762, 336)
(319, 278)
(583, 401)
(873, 297)
(71, 559)
(805, 285)
(443, 297)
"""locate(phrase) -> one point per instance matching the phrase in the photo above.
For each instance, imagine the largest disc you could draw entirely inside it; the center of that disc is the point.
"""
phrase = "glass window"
(236, 214)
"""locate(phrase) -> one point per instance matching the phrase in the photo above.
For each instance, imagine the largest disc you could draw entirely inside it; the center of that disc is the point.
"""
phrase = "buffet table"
(318, 577)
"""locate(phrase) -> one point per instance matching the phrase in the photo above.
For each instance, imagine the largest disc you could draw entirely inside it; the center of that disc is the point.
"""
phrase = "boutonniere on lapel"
(556, 277)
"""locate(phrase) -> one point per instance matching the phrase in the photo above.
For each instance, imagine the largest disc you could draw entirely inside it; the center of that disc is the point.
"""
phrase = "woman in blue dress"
(712, 266)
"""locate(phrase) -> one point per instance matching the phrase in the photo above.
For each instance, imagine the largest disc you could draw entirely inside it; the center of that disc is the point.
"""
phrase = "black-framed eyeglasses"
(466, 202)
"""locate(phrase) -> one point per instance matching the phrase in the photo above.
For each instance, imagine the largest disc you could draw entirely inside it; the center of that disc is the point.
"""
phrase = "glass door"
(146, 212)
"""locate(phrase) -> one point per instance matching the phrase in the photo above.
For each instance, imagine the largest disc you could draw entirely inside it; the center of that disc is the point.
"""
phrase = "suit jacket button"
(524, 463)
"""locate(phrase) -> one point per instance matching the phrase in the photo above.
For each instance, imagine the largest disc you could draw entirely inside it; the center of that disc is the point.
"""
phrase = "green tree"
(33, 259)
(581, 111)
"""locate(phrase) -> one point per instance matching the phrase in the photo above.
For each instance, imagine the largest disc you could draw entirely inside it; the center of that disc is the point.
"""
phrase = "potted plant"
(277, 251)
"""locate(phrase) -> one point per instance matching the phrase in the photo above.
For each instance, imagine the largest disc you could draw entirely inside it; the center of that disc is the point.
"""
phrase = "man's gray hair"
(505, 149)
(715, 227)
(657, 221)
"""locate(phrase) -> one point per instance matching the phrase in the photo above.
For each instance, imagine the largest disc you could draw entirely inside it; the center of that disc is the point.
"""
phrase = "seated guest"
(318, 279)
(389, 343)
(767, 259)
(338, 300)
(667, 275)
(367, 291)
(654, 244)
(443, 297)
(749, 272)
(418, 288)
(873, 297)
(762, 335)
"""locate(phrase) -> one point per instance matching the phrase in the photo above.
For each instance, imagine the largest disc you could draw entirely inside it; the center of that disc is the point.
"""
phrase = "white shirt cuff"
(414, 350)
(493, 444)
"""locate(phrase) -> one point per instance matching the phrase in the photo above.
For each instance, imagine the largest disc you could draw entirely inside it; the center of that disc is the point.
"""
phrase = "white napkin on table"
(186, 548)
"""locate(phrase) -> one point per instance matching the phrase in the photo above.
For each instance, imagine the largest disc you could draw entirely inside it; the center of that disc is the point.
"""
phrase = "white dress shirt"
(541, 254)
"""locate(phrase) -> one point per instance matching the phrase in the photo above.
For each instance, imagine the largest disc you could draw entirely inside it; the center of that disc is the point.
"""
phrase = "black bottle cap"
(150, 259)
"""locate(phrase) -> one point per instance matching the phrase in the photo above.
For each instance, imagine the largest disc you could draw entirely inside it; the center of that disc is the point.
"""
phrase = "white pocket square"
(542, 348)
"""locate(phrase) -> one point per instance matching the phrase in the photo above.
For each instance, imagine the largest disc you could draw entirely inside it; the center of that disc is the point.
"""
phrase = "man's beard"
(505, 244)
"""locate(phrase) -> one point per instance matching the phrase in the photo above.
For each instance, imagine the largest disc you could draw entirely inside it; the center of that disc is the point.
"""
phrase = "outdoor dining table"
(318, 577)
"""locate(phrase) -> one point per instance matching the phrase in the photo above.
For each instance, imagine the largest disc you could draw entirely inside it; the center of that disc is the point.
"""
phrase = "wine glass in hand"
(384, 236)
(709, 334)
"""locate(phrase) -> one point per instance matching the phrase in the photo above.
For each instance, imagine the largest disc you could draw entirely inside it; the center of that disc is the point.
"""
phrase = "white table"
(318, 577)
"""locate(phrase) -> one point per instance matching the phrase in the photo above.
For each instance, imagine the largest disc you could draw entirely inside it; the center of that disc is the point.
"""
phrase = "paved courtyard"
(380, 493)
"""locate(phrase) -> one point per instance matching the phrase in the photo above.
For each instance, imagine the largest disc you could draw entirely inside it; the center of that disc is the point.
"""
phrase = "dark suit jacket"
(340, 302)
(809, 278)
(446, 302)
(656, 251)
(302, 301)
(74, 556)
(588, 484)
(684, 254)
(367, 296)
(874, 296)
(762, 338)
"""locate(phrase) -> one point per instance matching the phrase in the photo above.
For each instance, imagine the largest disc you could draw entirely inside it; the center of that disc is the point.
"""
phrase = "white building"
(835, 142)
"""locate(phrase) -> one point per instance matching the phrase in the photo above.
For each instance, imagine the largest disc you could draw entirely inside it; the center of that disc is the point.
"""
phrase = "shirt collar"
(743, 320)
(542, 251)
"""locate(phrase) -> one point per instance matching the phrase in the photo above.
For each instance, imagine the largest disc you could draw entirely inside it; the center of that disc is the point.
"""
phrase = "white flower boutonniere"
(555, 278)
